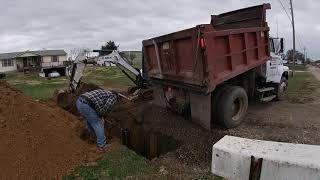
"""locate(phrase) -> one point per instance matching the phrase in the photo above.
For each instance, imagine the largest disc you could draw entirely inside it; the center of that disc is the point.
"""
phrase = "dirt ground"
(284, 121)
(37, 139)
(275, 121)
(315, 71)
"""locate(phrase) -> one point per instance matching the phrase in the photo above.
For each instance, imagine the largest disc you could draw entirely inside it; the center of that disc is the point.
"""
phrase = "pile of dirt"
(38, 140)
(67, 100)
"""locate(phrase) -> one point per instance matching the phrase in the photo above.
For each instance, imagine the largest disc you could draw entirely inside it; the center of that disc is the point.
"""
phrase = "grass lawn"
(41, 88)
(301, 86)
(35, 86)
(104, 76)
(118, 164)
(297, 67)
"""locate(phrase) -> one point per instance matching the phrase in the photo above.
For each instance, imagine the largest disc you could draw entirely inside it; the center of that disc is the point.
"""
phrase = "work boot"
(104, 149)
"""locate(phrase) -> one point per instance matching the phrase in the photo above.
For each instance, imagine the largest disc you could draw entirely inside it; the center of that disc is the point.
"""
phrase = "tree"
(77, 51)
(298, 56)
(109, 46)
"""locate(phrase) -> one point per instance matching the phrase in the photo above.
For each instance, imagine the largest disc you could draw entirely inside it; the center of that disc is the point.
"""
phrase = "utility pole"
(305, 55)
(293, 38)
(277, 28)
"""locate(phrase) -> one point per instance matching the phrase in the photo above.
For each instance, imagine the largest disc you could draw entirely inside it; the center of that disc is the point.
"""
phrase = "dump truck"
(210, 71)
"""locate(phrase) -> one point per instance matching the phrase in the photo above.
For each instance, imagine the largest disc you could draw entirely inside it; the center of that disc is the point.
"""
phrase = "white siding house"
(8, 65)
(36, 60)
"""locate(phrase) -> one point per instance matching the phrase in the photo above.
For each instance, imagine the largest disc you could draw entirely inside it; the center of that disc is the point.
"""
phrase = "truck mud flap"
(200, 105)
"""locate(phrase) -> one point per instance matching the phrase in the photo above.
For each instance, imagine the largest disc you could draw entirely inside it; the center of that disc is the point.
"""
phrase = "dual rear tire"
(230, 105)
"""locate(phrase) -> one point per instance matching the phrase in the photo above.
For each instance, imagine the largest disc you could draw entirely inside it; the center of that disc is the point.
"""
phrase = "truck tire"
(282, 89)
(232, 107)
(216, 95)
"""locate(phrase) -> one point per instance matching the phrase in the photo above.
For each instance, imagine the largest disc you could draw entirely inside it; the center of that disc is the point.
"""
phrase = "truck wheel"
(216, 96)
(282, 89)
(232, 106)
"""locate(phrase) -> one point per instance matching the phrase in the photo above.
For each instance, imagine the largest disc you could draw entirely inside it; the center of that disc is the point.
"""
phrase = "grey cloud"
(67, 24)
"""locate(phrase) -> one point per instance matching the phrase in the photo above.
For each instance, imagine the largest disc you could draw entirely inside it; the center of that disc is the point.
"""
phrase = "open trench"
(137, 134)
(126, 123)
(140, 138)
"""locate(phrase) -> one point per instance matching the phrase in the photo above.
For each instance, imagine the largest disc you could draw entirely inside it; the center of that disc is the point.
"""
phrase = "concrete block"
(231, 159)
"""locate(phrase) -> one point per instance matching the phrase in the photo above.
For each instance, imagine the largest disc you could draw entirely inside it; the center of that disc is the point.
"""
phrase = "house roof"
(40, 53)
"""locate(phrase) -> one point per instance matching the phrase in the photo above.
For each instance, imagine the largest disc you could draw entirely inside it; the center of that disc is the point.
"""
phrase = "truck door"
(272, 68)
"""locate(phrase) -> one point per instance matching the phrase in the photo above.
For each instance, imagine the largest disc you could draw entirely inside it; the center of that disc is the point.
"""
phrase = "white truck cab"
(276, 73)
(276, 69)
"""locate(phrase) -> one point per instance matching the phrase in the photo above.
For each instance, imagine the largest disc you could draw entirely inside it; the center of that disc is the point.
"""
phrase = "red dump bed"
(207, 55)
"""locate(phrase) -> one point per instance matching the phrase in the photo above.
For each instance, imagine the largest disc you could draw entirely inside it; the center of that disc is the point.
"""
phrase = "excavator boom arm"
(114, 57)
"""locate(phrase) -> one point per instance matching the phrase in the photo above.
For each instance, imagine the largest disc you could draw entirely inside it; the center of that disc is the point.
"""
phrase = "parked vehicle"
(54, 74)
(104, 63)
(211, 70)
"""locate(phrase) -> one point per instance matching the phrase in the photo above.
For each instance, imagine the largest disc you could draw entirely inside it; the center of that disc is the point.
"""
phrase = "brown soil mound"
(68, 100)
(38, 140)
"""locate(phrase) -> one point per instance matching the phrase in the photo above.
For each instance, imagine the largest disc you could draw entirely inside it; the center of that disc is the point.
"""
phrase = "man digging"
(94, 105)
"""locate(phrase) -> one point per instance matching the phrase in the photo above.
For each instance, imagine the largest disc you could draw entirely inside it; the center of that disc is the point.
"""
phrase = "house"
(300, 62)
(44, 61)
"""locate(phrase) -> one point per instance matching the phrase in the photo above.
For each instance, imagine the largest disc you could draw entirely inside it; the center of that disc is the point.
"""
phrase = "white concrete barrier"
(231, 159)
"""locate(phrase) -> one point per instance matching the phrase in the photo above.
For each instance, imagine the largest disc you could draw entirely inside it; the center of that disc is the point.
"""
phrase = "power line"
(285, 10)
(301, 44)
(300, 40)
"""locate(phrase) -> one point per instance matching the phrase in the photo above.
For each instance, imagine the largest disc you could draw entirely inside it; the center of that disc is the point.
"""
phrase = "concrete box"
(231, 159)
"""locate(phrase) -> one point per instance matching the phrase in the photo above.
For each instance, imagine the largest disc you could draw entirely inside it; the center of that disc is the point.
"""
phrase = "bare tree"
(78, 51)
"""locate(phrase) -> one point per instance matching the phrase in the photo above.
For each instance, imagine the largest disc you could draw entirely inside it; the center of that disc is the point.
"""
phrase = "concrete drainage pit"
(144, 141)
(148, 144)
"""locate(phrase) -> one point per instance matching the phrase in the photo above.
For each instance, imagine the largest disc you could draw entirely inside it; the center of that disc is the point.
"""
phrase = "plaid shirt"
(102, 100)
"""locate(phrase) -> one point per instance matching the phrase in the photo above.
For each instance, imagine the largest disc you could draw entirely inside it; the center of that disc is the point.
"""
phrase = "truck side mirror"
(281, 45)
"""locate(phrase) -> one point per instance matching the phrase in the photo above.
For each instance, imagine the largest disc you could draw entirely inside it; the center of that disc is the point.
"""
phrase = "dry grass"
(301, 87)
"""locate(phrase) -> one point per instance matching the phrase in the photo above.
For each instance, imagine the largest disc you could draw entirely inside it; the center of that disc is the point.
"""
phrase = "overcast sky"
(67, 24)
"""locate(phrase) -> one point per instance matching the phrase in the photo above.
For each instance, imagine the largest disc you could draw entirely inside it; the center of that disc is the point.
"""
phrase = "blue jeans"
(93, 121)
